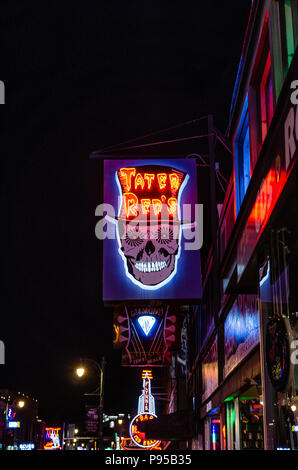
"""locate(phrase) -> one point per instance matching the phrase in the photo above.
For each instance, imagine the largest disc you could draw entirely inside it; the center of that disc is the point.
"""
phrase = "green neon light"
(289, 31)
(230, 398)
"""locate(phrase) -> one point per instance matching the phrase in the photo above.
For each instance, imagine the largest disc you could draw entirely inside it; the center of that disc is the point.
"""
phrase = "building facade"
(242, 365)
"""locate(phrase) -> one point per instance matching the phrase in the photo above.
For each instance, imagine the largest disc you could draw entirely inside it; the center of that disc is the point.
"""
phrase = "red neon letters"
(138, 187)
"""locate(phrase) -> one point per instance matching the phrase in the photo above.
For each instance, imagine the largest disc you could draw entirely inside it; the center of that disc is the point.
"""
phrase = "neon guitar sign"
(146, 412)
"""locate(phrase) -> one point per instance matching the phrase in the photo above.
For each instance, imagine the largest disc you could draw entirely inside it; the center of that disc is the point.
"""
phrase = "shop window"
(251, 423)
(261, 92)
(215, 433)
(242, 157)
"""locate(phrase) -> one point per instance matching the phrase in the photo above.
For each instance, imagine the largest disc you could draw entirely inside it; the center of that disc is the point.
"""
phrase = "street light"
(21, 403)
(80, 371)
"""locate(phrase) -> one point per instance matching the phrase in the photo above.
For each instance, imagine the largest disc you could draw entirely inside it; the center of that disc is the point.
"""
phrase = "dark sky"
(78, 76)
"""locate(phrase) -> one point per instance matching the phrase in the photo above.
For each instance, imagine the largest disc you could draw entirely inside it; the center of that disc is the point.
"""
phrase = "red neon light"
(175, 181)
(172, 203)
(149, 177)
(126, 174)
(146, 203)
(139, 181)
(143, 191)
(130, 204)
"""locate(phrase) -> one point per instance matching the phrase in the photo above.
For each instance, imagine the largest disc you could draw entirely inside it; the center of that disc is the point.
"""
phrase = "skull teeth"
(150, 266)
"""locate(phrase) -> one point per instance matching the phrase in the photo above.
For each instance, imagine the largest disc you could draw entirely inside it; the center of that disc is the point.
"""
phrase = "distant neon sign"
(146, 412)
(13, 424)
(52, 436)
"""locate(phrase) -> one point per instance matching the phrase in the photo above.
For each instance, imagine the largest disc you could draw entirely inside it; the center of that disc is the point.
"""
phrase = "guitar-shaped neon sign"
(146, 412)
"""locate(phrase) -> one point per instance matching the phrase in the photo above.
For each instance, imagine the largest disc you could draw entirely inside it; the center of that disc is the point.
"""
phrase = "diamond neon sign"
(146, 322)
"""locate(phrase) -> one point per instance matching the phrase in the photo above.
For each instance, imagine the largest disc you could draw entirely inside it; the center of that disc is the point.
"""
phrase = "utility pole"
(213, 207)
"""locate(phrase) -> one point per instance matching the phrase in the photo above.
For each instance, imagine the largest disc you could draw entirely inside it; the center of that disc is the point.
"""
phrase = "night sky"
(80, 76)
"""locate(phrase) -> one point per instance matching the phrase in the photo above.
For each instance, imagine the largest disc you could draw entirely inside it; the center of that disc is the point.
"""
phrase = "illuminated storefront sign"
(146, 412)
(127, 443)
(52, 439)
(27, 446)
(13, 424)
(146, 334)
(242, 331)
(154, 205)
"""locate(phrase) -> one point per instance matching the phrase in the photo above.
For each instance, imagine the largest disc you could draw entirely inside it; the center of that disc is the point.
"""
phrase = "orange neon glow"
(131, 204)
(146, 203)
(125, 441)
(172, 203)
(126, 174)
(149, 372)
(139, 181)
(162, 180)
(134, 183)
(48, 445)
(157, 206)
(149, 177)
(174, 181)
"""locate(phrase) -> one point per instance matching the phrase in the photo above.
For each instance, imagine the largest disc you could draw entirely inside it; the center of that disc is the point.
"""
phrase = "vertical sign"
(151, 247)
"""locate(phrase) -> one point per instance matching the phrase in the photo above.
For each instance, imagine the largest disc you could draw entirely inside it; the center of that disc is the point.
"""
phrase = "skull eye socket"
(134, 238)
(164, 235)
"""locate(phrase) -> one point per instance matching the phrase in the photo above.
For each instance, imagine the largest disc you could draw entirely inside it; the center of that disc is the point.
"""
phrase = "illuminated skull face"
(150, 252)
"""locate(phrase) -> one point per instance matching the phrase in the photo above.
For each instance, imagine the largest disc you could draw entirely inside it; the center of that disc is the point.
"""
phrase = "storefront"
(268, 251)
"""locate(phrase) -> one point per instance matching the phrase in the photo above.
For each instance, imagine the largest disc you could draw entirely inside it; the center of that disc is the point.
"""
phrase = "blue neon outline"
(128, 275)
(146, 315)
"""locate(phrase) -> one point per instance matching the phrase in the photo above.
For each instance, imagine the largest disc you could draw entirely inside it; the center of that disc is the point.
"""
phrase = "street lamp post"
(99, 392)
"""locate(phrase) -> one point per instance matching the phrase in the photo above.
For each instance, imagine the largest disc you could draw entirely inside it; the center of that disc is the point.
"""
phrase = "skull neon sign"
(149, 229)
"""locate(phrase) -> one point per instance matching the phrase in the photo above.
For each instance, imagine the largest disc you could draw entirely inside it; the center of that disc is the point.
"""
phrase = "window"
(242, 157)
(266, 98)
(261, 103)
(288, 10)
(284, 34)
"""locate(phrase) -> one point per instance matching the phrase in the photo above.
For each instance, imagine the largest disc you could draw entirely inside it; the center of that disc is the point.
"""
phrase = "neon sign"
(13, 424)
(148, 223)
(52, 436)
(150, 214)
(146, 412)
(146, 322)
